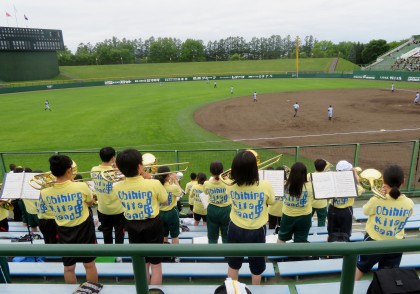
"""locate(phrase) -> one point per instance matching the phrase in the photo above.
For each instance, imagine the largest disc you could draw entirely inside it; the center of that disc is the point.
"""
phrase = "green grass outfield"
(145, 116)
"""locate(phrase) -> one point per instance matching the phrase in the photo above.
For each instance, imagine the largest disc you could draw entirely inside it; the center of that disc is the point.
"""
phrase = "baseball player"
(47, 105)
(392, 88)
(231, 89)
(417, 98)
(254, 97)
(330, 112)
(296, 108)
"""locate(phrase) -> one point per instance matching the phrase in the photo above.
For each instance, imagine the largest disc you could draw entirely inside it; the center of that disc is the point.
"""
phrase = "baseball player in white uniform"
(417, 98)
(47, 105)
(330, 112)
(231, 89)
(392, 87)
(296, 108)
(254, 97)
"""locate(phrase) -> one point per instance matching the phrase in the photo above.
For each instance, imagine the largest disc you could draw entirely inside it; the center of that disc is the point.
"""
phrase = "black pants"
(340, 220)
(112, 222)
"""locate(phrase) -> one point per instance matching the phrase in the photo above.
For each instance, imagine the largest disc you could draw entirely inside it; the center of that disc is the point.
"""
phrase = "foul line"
(264, 138)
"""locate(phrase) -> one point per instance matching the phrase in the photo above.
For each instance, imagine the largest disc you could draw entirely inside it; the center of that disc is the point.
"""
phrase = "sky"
(93, 21)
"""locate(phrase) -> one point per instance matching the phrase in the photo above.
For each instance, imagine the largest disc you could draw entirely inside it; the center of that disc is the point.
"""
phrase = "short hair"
(201, 178)
(78, 177)
(244, 169)
(394, 178)
(59, 164)
(162, 169)
(297, 178)
(320, 165)
(106, 154)
(216, 168)
(128, 161)
(193, 176)
(12, 166)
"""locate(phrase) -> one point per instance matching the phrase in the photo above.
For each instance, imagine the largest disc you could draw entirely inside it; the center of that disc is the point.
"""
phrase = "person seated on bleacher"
(249, 215)
(383, 224)
(340, 210)
(69, 202)
(297, 206)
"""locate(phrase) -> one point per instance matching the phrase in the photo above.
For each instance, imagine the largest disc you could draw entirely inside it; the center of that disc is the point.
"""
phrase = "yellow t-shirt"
(188, 187)
(196, 190)
(277, 208)
(68, 201)
(217, 193)
(30, 206)
(347, 202)
(174, 191)
(42, 210)
(108, 203)
(293, 206)
(249, 204)
(387, 218)
(4, 213)
(140, 197)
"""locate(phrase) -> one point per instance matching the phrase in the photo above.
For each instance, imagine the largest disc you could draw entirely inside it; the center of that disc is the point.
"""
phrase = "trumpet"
(371, 179)
(226, 176)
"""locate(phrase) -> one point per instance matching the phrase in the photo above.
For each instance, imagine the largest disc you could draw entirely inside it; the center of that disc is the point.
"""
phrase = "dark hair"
(59, 164)
(162, 169)
(216, 168)
(12, 166)
(394, 177)
(106, 154)
(320, 165)
(27, 169)
(78, 177)
(18, 170)
(128, 161)
(245, 169)
(297, 179)
(201, 178)
(193, 176)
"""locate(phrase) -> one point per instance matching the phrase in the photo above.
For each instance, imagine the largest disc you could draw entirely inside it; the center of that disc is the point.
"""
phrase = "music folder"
(276, 178)
(16, 186)
(341, 184)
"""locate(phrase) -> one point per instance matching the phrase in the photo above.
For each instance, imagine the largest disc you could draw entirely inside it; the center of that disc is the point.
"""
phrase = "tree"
(163, 50)
(373, 50)
(192, 50)
(324, 49)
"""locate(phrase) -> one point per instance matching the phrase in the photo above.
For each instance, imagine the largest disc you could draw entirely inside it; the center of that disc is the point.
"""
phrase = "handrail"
(349, 251)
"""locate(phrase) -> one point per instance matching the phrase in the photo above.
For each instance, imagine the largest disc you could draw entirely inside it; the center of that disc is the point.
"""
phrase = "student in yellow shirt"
(297, 206)
(218, 210)
(110, 209)
(4, 214)
(141, 198)
(250, 197)
(199, 211)
(188, 186)
(69, 203)
(169, 211)
(386, 221)
(275, 211)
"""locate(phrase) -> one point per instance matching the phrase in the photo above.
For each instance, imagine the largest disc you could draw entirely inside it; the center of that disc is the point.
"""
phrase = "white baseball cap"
(343, 165)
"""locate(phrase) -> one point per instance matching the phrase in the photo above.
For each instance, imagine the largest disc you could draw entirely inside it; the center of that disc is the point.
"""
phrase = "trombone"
(371, 179)
(45, 180)
(115, 175)
(226, 176)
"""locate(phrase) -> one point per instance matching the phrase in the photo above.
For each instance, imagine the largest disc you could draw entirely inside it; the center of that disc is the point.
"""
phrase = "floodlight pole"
(297, 57)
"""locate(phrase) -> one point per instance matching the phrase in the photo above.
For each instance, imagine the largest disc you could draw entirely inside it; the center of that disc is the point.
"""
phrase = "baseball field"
(195, 116)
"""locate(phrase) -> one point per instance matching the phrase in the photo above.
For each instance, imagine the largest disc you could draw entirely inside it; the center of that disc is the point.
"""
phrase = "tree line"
(166, 49)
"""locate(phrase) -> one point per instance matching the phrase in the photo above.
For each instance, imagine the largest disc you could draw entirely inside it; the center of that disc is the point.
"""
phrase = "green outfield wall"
(28, 66)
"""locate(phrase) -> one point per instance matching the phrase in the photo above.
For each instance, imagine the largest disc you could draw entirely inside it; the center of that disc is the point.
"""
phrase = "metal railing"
(349, 251)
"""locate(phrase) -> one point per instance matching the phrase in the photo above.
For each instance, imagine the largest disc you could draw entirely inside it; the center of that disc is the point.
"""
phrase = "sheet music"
(204, 199)
(276, 178)
(323, 185)
(345, 185)
(334, 185)
(16, 186)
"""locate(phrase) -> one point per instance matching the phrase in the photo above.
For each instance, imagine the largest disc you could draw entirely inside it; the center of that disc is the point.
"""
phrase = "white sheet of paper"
(276, 178)
(329, 185)
(204, 199)
(16, 186)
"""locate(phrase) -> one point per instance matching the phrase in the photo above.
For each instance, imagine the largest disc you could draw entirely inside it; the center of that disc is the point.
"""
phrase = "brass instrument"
(150, 166)
(328, 167)
(371, 179)
(7, 203)
(45, 180)
(226, 176)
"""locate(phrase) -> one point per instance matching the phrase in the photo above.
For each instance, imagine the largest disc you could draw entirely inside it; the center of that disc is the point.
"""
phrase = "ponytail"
(394, 178)
(395, 192)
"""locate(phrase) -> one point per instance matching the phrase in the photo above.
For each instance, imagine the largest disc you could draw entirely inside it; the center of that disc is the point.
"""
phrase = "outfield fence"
(376, 155)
